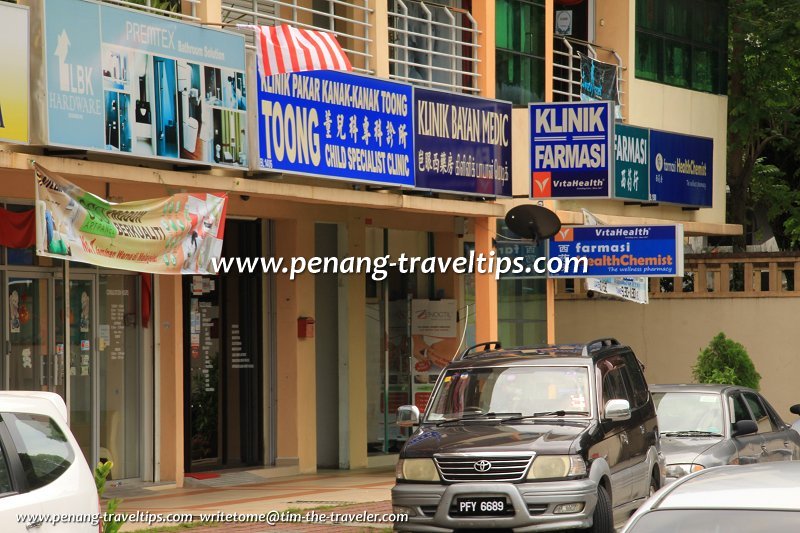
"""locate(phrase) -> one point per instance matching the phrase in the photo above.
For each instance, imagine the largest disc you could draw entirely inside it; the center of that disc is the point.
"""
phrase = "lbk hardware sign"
(571, 151)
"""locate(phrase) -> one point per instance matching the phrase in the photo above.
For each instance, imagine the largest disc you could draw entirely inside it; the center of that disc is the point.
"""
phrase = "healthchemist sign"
(335, 124)
(463, 143)
(617, 251)
(571, 155)
(681, 169)
(123, 81)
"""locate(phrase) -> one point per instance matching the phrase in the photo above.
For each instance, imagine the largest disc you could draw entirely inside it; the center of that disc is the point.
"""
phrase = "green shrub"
(101, 472)
(726, 361)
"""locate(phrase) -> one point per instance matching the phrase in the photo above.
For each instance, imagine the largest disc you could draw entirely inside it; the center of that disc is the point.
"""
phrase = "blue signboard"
(124, 81)
(571, 155)
(681, 169)
(337, 125)
(619, 251)
(463, 143)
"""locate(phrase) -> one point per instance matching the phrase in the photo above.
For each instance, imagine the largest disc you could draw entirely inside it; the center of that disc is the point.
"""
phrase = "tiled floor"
(249, 492)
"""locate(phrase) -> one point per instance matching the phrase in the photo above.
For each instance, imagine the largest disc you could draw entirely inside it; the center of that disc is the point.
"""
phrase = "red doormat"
(202, 475)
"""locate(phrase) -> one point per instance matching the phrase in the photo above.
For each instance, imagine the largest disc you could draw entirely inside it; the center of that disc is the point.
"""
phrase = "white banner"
(633, 289)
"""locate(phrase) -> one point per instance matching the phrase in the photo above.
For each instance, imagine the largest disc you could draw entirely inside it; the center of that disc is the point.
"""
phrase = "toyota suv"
(531, 439)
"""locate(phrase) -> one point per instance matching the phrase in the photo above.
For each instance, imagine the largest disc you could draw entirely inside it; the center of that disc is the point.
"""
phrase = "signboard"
(462, 143)
(433, 344)
(336, 125)
(129, 82)
(633, 289)
(599, 82)
(621, 251)
(14, 64)
(571, 154)
(681, 169)
(179, 234)
(631, 163)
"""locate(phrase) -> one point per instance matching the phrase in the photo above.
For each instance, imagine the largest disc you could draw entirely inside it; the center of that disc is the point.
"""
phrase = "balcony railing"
(347, 20)
(745, 275)
(433, 45)
(162, 7)
(567, 68)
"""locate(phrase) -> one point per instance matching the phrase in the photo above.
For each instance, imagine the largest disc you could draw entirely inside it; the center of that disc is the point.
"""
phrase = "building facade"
(170, 375)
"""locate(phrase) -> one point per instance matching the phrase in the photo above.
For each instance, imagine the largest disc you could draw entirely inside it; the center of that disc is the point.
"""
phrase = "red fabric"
(282, 49)
(17, 230)
(147, 285)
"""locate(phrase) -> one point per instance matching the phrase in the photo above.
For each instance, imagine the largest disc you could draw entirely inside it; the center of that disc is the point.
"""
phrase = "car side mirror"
(618, 410)
(407, 416)
(795, 409)
(744, 427)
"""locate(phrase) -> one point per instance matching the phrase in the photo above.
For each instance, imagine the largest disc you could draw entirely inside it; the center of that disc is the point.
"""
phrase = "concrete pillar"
(484, 14)
(169, 357)
(206, 10)
(485, 284)
(296, 358)
(354, 357)
(379, 46)
(446, 244)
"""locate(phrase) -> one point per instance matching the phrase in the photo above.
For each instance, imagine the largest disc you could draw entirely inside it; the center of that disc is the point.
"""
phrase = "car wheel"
(602, 518)
(653, 486)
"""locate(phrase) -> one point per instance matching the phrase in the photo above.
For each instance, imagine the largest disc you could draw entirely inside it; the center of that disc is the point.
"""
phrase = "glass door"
(80, 368)
(30, 363)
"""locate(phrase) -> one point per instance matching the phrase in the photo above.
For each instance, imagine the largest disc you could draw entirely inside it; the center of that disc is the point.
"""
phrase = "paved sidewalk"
(364, 491)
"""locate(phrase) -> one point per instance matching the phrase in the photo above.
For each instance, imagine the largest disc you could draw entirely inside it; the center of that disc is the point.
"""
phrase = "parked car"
(711, 425)
(42, 470)
(530, 439)
(746, 499)
(795, 410)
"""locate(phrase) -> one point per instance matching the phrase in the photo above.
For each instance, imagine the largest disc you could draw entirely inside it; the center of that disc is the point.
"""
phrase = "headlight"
(555, 466)
(680, 470)
(416, 470)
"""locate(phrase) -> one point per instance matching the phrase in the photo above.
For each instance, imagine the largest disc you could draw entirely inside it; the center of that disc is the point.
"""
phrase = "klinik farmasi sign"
(571, 154)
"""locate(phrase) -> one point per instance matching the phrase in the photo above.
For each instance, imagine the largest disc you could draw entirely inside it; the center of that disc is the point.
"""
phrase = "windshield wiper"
(690, 433)
(545, 414)
(476, 416)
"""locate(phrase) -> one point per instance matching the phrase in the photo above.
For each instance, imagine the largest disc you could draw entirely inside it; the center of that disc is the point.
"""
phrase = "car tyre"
(603, 517)
(653, 486)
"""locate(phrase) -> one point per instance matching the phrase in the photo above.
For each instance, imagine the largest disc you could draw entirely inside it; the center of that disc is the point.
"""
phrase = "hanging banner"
(123, 81)
(433, 344)
(179, 234)
(14, 64)
(632, 289)
(599, 82)
(463, 143)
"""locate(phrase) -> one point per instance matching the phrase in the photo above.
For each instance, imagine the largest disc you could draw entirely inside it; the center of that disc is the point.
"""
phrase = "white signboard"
(633, 289)
(436, 318)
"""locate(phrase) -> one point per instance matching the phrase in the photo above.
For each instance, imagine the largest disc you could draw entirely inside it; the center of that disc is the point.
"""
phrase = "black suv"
(531, 439)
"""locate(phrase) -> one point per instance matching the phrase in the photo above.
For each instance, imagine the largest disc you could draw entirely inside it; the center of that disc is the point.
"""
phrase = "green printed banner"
(178, 234)
(632, 164)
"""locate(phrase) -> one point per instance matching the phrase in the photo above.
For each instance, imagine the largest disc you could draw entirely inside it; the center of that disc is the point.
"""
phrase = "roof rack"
(487, 347)
(597, 344)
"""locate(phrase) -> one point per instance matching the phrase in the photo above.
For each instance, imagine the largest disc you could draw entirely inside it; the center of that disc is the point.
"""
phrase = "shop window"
(683, 43)
(519, 31)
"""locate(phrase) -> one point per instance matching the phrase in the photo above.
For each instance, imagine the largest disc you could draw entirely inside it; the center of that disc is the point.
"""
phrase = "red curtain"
(147, 287)
(17, 230)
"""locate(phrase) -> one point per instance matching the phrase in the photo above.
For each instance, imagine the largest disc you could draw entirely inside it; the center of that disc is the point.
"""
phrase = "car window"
(637, 381)
(738, 409)
(5, 475)
(43, 449)
(765, 424)
(615, 381)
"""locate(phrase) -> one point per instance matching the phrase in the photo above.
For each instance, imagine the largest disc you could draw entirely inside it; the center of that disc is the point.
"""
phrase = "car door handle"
(34, 525)
(624, 438)
(642, 429)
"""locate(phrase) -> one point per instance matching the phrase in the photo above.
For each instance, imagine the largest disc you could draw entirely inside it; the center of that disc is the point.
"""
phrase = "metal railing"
(347, 20)
(433, 45)
(567, 68)
(161, 7)
(735, 275)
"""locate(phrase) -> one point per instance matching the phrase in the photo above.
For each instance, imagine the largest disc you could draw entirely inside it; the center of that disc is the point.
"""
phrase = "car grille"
(472, 467)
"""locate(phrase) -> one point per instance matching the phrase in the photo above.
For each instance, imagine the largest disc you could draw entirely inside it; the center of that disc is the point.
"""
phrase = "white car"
(45, 483)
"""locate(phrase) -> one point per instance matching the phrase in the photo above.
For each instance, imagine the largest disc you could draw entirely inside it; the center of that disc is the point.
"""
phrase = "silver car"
(761, 498)
(711, 425)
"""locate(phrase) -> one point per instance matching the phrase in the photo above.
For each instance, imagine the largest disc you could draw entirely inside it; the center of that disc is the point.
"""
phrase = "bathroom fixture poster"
(143, 85)
(14, 67)
(178, 234)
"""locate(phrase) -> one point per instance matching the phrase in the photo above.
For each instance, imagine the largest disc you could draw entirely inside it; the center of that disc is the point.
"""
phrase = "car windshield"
(689, 413)
(517, 391)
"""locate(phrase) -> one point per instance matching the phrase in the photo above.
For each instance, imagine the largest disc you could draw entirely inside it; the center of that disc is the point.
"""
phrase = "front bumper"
(533, 505)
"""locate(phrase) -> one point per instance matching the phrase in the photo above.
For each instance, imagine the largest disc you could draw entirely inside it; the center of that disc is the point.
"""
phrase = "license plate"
(481, 507)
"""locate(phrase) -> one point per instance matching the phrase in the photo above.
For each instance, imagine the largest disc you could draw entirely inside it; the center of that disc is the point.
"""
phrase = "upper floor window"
(434, 44)
(683, 43)
(519, 31)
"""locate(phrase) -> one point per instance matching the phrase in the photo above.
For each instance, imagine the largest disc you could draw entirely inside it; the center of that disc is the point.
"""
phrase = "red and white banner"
(282, 49)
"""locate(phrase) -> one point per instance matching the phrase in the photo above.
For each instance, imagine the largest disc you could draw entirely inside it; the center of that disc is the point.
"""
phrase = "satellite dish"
(533, 222)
